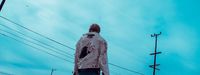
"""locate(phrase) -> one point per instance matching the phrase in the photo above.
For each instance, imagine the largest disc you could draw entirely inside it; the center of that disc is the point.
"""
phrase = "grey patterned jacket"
(91, 52)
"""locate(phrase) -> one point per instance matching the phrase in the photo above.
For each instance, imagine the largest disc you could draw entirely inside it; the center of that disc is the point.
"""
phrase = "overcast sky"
(125, 24)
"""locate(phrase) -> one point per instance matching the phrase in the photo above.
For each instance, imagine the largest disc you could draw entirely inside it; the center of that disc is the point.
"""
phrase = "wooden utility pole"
(52, 70)
(155, 53)
(2, 3)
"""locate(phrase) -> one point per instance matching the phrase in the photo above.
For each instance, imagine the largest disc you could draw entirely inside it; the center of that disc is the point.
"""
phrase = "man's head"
(95, 28)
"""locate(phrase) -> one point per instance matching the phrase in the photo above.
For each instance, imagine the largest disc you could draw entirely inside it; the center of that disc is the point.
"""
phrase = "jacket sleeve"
(76, 58)
(103, 59)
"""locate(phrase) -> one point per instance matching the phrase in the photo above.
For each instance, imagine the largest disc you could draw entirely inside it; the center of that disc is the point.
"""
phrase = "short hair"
(95, 28)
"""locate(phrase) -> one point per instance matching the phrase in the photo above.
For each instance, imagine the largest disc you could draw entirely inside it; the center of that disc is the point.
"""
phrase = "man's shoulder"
(102, 40)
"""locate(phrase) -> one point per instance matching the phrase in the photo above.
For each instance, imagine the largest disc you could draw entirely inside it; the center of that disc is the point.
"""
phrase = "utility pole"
(155, 53)
(52, 70)
(2, 3)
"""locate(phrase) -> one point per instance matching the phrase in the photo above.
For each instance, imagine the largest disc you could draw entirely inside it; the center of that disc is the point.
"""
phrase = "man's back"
(91, 53)
(88, 50)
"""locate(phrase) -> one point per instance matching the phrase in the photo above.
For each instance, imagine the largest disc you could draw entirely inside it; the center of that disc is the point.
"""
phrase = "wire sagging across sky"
(52, 47)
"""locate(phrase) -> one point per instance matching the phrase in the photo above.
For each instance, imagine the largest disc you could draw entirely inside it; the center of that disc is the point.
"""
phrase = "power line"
(71, 58)
(63, 44)
(114, 71)
(36, 48)
(4, 73)
(126, 69)
(36, 39)
(33, 43)
(36, 33)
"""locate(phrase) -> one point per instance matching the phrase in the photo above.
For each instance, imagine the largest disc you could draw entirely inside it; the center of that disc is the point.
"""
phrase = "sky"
(125, 24)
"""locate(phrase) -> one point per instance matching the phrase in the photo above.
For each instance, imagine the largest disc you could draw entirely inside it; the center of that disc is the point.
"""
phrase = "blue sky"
(126, 25)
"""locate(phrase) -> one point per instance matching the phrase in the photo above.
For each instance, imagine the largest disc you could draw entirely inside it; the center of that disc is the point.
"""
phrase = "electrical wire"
(4, 73)
(63, 44)
(126, 69)
(34, 43)
(35, 39)
(35, 48)
(36, 33)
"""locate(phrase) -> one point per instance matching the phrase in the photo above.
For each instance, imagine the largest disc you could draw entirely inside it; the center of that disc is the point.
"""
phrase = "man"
(91, 53)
